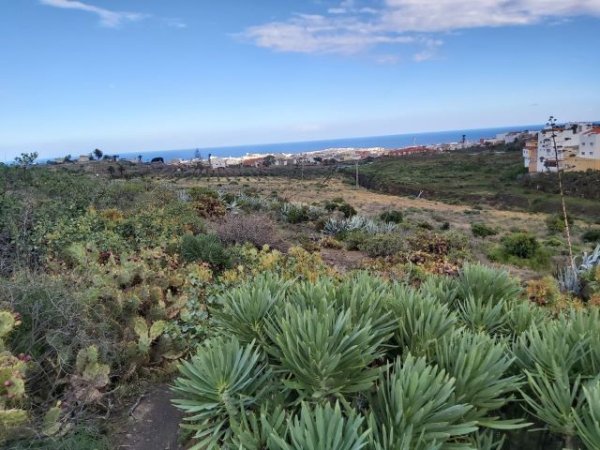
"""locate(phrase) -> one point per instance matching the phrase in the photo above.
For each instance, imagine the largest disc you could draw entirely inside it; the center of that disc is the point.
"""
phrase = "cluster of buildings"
(570, 147)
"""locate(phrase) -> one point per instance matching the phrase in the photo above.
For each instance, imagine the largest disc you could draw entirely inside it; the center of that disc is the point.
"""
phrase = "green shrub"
(353, 239)
(206, 248)
(556, 223)
(392, 215)
(521, 245)
(592, 235)
(387, 244)
(482, 230)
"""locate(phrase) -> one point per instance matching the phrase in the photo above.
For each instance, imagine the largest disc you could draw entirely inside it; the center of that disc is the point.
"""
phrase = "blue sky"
(134, 75)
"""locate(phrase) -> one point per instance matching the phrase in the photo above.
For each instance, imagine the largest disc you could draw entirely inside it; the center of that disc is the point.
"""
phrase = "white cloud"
(108, 18)
(354, 26)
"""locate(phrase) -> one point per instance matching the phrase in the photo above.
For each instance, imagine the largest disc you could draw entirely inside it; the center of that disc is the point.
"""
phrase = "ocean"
(391, 141)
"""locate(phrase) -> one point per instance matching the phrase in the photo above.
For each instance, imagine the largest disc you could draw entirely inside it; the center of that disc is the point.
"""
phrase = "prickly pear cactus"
(12, 379)
(91, 376)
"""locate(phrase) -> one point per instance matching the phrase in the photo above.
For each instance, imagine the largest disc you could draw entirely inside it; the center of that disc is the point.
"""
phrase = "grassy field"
(496, 179)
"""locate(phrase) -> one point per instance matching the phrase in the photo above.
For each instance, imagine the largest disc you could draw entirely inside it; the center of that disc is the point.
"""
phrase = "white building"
(567, 138)
(589, 146)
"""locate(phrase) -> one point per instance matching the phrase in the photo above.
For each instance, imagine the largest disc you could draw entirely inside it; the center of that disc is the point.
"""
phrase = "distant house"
(83, 158)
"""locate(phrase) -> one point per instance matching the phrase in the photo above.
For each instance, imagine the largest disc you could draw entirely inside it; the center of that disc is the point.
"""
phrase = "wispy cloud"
(355, 26)
(107, 17)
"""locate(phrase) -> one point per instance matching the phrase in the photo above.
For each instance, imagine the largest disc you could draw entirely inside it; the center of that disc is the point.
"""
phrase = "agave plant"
(223, 379)
(322, 428)
(358, 223)
(569, 278)
(414, 408)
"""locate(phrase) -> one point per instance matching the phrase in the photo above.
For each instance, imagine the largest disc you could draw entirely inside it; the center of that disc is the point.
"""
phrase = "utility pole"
(302, 165)
(356, 167)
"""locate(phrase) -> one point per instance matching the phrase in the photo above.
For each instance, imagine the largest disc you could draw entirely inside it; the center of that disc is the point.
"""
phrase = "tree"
(68, 159)
(98, 153)
(269, 160)
(26, 159)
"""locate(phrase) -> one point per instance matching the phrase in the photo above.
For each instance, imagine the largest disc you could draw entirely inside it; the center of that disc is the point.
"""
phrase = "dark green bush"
(353, 239)
(204, 247)
(392, 215)
(347, 209)
(383, 244)
(521, 245)
(556, 223)
(592, 235)
(482, 230)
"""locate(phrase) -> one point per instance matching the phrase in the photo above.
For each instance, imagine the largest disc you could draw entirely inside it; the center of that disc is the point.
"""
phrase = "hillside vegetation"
(495, 178)
(290, 314)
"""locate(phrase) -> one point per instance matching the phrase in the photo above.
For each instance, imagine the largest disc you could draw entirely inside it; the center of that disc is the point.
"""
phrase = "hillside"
(495, 178)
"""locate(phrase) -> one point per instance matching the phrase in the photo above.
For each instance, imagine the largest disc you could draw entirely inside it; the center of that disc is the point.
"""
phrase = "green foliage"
(414, 408)
(480, 282)
(587, 416)
(480, 365)
(521, 245)
(322, 428)
(482, 230)
(387, 244)
(591, 235)
(421, 320)
(322, 353)
(206, 248)
(392, 215)
(556, 223)
(223, 379)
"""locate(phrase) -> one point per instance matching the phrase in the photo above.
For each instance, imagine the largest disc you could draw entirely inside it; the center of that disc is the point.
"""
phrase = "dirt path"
(152, 425)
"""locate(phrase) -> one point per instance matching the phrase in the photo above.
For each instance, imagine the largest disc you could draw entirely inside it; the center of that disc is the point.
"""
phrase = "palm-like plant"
(222, 379)
(322, 428)
(479, 364)
(322, 353)
(414, 408)
(420, 320)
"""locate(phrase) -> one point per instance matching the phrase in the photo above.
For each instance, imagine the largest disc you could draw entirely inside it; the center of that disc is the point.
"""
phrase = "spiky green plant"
(414, 408)
(215, 385)
(322, 428)
(322, 353)
(253, 430)
(481, 314)
(587, 416)
(442, 288)
(488, 440)
(243, 311)
(480, 366)
(481, 282)
(420, 320)
(553, 396)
